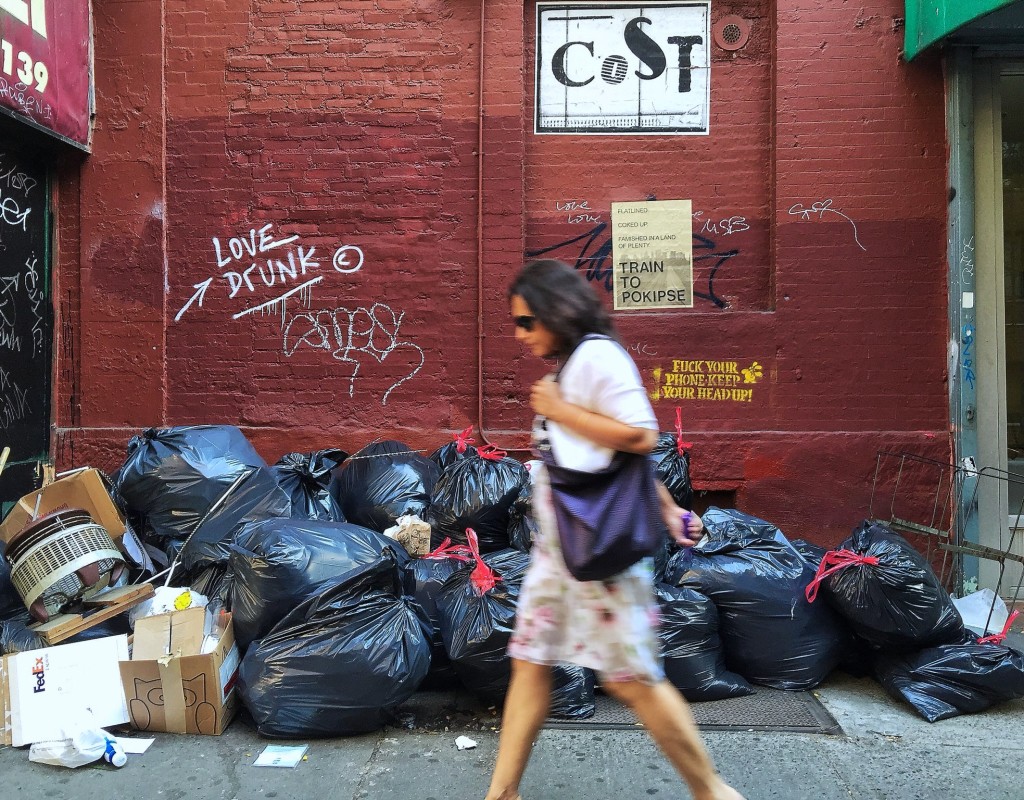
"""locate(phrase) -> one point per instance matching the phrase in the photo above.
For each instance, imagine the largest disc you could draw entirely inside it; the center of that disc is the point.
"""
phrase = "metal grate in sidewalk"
(764, 710)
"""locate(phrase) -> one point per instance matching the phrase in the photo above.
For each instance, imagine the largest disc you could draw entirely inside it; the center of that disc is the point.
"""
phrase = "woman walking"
(597, 406)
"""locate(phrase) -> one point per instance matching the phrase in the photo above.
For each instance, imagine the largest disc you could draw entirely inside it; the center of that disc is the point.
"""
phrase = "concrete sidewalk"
(886, 753)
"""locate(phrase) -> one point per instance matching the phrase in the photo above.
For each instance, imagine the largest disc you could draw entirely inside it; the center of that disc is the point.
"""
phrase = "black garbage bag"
(15, 637)
(812, 553)
(663, 556)
(382, 482)
(256, 497)
(278, 563)
(572, 692)
(213, 581)
(173, 476)
(770, 633)
(671, 457)
(952, 679)
(691, 647)
(477, 492)
(856, 657)
(522, 527)
(477, 609)
(424, 578)
(197, 478)
(887, 592)
(510, 563)
(305, 478)
(459, 448)
(11, 604)
(341, 661)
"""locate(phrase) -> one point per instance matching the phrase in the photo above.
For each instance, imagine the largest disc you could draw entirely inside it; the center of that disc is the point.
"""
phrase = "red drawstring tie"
(462, 440)
(681, 446)
(482, 577)
(998, 638)
(834, 561)
(491, 453)
(448, 550)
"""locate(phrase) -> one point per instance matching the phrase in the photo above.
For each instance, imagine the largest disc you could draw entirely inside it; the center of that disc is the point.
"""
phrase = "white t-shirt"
(601, 377)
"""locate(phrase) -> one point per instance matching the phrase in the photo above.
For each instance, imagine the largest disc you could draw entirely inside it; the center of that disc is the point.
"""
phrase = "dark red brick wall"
(819, 243)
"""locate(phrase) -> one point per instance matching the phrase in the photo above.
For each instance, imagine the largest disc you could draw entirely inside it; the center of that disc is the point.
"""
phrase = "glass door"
(999, 253)
(1011, 90)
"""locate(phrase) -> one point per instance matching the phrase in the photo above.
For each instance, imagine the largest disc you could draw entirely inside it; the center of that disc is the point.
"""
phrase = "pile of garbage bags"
(339, 624)
(918, 647)
(342, 660)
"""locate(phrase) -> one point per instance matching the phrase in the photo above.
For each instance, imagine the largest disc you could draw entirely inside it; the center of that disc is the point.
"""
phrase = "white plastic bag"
(84, 747)
(165, 600)
(975, 608)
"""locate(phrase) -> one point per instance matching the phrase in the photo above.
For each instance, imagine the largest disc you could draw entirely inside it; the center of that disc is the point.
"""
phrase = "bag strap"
(565, 362)
(446, 549)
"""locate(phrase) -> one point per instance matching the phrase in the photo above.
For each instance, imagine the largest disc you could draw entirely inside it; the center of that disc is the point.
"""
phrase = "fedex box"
(171, 685)
(46, 692)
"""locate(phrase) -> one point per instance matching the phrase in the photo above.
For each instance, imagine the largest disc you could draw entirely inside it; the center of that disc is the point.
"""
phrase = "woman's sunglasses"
(526, 322)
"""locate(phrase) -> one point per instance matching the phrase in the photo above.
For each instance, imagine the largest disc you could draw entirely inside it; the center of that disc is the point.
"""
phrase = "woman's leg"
(664, 712)
(526, 708)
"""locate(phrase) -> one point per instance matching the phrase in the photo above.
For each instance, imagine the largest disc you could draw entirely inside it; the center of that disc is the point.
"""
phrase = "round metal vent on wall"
(731, 32)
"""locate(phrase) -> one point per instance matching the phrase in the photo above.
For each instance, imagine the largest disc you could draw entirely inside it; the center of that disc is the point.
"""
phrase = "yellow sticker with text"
(717, 381)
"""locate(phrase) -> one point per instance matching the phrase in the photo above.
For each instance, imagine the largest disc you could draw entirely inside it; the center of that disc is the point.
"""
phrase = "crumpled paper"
(412, 533)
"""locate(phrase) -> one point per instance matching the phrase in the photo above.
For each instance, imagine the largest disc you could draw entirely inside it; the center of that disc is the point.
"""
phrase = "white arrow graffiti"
(199, 295)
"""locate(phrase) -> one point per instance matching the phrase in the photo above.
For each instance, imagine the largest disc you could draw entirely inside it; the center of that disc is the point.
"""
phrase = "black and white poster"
(611, 68)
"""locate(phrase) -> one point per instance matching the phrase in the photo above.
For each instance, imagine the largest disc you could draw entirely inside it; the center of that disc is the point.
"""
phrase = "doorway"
(999, 227)
(26, 318)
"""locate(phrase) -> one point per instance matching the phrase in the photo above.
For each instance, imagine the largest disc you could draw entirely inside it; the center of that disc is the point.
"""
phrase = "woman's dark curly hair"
(562, 300)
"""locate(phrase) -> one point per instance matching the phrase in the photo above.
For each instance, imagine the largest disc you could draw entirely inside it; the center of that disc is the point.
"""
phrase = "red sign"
(46, 65)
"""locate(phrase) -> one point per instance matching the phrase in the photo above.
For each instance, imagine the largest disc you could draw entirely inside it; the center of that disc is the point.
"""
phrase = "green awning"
(928, 21)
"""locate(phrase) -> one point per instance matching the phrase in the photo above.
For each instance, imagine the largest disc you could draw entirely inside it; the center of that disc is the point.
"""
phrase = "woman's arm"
(546, 400)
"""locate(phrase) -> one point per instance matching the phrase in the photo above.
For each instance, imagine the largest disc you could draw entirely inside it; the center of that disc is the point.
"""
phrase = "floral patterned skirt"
(609, 626)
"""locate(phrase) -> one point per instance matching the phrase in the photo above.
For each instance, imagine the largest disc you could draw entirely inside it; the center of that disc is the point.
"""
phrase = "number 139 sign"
(46, 65)
(614, 68)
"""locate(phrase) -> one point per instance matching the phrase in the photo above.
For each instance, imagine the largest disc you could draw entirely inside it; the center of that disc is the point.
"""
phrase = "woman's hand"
(685, 533)
(546, 399)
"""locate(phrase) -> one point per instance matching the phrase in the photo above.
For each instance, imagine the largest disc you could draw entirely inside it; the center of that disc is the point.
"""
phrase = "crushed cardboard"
(85, 489)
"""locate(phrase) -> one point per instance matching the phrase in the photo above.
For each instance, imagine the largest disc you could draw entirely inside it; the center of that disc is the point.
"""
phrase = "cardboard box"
(170, 685)
(44, 691)
(84, 489)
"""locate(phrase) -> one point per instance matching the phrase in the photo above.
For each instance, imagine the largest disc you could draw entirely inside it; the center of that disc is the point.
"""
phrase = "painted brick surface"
(337, 146)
